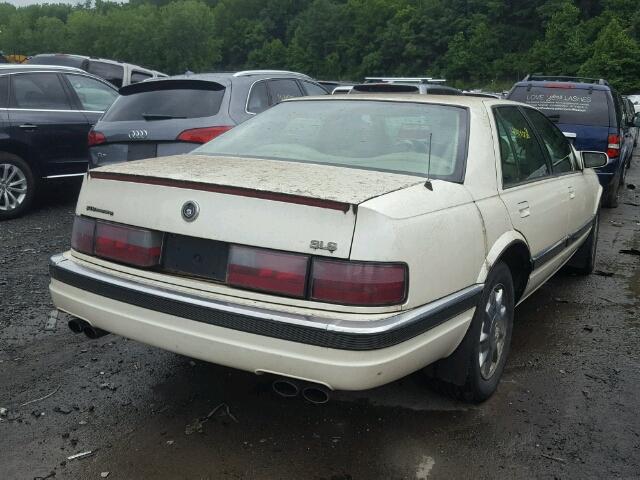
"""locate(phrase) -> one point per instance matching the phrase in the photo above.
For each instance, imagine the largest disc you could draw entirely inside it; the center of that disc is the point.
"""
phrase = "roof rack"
(247, 73)
(404, 79)
(563, 78)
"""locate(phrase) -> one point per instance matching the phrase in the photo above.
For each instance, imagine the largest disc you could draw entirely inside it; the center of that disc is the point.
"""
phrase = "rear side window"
(258, 98)
(4, 92)
(110, 72)
(282, 89)
(41, 91)
(137, 76)
(556, 143)
(521, 155)
(166, 103)
(574, 106)
(93, 94)
(313, 89)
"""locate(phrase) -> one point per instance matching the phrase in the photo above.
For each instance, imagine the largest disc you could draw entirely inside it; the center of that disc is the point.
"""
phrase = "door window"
(137, 76)
(282, 89)
(112, 73)
(557, 145)
(93, 95)
(258, 98)
(40, 91)
(521, 155)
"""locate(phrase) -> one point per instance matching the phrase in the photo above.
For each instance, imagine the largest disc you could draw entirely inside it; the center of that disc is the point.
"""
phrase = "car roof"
(550, 83)
(18, 67)
(455, 100)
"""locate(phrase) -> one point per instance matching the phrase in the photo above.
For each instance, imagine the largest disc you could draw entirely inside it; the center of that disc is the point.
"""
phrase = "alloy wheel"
(493, 332)
(13, 187)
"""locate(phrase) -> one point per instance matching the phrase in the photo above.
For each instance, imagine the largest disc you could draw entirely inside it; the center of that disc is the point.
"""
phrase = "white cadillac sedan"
(340, 243)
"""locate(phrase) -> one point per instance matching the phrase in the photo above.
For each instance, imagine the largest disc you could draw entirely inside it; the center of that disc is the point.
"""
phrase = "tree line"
(472, 43)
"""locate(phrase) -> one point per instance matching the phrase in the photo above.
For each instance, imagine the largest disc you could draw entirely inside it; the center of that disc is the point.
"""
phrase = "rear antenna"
(428, 182)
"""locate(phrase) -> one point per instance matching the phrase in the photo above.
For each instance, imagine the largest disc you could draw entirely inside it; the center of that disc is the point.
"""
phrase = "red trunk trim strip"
(239, 191)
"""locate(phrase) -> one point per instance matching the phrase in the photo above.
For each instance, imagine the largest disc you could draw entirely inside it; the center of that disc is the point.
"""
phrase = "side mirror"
(594, 159)
(636, 120)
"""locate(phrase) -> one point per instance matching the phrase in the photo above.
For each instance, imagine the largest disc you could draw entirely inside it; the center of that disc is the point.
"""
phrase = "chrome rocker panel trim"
(306, 329)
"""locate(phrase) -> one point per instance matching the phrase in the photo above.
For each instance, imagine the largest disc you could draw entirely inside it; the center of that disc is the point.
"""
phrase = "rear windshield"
(165, 105)
(576, 106)
(402, 137)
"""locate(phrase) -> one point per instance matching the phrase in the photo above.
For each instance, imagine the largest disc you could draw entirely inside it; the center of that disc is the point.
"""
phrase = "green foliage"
(473, 43)
(616, 56)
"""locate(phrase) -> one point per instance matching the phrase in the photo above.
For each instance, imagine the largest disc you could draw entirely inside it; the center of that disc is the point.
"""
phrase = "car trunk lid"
(257, 202)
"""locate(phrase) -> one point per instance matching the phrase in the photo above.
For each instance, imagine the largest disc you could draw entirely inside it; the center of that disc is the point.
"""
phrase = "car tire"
(488, 336)
(610, 197)
(583, 261)
(17, 186)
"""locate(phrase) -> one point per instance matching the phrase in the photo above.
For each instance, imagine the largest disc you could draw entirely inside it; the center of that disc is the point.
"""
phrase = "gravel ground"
(567, 406)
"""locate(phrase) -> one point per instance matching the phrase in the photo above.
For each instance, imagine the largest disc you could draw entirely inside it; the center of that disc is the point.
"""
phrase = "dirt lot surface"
(567, 406)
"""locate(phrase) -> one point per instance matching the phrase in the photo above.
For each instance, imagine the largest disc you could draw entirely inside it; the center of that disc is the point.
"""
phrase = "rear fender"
(500, 246)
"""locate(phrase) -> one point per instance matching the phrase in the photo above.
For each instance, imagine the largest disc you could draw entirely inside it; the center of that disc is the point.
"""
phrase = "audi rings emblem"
(190, 211)
(138, 134)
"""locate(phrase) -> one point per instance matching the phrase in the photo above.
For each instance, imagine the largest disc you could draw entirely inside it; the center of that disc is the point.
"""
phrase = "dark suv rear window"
(577, 106)
(164, 104)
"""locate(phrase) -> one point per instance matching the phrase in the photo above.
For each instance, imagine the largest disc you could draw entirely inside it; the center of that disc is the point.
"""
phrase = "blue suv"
(592, 114)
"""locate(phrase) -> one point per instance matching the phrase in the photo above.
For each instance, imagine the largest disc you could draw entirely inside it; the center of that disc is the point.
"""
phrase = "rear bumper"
(347, 354)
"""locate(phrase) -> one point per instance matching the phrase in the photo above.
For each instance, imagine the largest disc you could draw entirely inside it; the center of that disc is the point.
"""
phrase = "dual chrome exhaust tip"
(77, 325)
(311, 392)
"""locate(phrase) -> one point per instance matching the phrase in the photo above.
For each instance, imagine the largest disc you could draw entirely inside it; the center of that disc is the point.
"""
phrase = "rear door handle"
(572, 192)
(28, 126)
(523, 208)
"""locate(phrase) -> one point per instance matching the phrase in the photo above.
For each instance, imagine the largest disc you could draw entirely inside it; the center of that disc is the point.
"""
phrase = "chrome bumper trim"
(309, 329)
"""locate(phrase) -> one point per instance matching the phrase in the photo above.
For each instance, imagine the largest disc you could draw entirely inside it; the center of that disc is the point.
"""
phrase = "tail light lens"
(96, 138)
(129, 245)
(268, 271)
(83, 234)
(356, 283)
(613, 147)
(202, 135)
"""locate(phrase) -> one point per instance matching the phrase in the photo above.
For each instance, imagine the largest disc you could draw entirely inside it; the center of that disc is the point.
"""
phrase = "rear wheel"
(482, 354)
(17, 186)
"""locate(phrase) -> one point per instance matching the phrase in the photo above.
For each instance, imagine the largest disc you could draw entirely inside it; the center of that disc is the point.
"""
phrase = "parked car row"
(248, 241)
(334, 242)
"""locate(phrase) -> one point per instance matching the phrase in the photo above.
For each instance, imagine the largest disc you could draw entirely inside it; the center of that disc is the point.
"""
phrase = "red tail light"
(96, 138)
(202, 135)
(268, 271)
(613, 147)
(129, 245)
(356, 283)
(83, 234)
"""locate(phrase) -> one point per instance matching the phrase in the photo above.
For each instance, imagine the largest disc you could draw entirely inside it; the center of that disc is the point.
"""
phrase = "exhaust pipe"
(77, 325)
(93, 333)
(285, 388)
(311, 392)
(315, 394)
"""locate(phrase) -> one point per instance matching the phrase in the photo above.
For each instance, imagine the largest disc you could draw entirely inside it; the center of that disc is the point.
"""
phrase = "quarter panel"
(437, 233)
